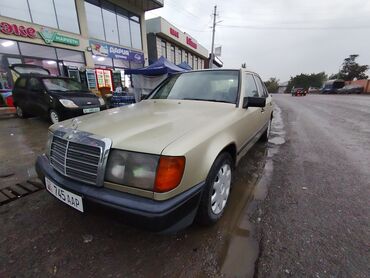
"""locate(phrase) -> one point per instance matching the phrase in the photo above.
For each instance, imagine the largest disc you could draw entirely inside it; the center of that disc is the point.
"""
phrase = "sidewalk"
(7, 112)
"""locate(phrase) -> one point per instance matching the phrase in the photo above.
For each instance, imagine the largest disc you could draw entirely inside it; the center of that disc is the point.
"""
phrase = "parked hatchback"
(36, 93)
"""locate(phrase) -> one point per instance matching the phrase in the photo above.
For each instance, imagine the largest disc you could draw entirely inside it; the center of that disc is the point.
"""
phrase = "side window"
(34, 84)
(250, 86)
(261, 87)
(21, 83)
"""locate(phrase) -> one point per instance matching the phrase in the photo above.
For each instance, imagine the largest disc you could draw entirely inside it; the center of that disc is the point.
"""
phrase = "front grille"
(75, 160)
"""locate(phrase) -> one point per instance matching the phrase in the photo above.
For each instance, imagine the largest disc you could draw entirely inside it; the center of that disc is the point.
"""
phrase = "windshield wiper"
(211, 100)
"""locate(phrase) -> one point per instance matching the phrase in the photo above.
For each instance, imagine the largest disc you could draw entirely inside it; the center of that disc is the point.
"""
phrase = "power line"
(256, 27)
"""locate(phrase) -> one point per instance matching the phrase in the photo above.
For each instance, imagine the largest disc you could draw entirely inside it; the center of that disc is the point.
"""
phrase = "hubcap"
(19, 112)
(221, 189)
(54, 117)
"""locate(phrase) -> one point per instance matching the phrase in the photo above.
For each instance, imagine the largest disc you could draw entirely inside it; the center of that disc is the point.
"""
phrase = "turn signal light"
(169, 173)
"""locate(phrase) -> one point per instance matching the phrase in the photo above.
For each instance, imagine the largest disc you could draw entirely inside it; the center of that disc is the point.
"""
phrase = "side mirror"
(254, 102)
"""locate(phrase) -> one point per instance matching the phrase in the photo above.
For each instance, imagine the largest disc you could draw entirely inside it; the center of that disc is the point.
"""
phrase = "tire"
(218, 184)
(21, 113)
(266, 134)
(54, 116)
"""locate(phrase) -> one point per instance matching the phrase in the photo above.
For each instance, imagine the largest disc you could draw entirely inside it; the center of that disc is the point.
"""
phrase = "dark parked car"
(298, 92)
(36, 93)
(332, 86)
(351, 89)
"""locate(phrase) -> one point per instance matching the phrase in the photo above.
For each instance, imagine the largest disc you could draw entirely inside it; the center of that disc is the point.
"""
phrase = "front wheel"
(20, 112)
(54, 116)
(216, 191)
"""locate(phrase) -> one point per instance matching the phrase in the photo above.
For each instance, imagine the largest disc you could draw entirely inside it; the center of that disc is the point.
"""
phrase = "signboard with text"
(116, 52)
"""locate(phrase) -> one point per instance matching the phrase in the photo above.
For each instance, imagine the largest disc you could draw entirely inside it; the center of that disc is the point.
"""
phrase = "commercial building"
(166, 40)
(93, 41)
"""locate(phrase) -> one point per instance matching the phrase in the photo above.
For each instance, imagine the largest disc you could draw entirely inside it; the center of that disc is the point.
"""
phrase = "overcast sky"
(278, 38)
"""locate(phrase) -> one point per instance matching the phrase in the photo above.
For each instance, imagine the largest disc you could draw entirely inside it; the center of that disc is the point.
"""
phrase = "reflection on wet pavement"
(21, 140)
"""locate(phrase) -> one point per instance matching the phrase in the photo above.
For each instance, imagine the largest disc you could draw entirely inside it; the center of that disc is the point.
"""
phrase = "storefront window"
(34, 50)
(196, 63)
(173, 59)
(17, 9)
(5, 77)
(67, 15)
(70, 55)
(50, 65)
(94, 21)
(43, 12)
(8, 47)
(113, 24)
(59, 14)
(179, 56)
(119, 63)
(136, 65)
(103, 61)
(124, 30)
(135, 34)
(164, 49)
(187, 57)
(110, 26)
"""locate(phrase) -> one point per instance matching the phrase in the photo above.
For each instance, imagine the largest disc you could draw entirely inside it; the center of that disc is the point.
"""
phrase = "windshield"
(217, 86)
(63, 84)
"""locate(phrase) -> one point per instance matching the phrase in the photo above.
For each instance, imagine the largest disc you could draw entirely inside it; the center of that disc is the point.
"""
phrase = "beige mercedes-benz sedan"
(167, 160)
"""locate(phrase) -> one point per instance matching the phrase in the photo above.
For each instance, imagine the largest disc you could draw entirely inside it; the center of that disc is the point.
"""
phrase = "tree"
(272, 85)
(307, 80)
(351, 69)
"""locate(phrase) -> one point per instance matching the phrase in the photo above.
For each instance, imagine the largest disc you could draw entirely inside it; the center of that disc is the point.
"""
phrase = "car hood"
(78, 97)
(151, 125)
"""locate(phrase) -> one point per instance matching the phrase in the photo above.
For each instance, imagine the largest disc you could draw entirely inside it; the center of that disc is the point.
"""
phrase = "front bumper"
(68, 113)
(159, 216)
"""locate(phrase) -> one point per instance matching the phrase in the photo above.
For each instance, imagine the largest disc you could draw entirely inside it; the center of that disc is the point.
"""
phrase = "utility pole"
(213, 37)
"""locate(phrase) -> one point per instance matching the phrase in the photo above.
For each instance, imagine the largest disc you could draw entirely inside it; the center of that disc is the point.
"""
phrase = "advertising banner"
(116, 52)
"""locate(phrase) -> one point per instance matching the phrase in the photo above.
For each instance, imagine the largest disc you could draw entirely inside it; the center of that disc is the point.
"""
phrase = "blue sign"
(116, 52)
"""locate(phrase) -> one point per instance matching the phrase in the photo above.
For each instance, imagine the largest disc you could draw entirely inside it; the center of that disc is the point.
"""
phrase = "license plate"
(91, 110)
(65, 196)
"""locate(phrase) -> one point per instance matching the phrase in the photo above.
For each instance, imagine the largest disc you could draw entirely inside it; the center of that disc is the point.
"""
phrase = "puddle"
(241, 251)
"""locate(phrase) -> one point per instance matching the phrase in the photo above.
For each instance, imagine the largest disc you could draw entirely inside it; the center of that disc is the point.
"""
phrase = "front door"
(267, 110)
(250, 119)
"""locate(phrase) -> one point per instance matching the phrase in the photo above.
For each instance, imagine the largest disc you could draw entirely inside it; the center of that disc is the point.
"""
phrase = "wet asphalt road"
(40, 237)
(316, 219)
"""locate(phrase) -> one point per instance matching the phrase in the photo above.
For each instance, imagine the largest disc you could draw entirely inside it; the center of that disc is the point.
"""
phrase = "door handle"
(262, 110)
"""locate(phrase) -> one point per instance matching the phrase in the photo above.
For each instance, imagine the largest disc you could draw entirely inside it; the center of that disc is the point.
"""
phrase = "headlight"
(101, 101)
(48, 144)
(68, 103)
(132, 169)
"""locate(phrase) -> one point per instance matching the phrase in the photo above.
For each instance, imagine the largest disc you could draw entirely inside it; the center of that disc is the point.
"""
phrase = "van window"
(34, 85)
(21, 82)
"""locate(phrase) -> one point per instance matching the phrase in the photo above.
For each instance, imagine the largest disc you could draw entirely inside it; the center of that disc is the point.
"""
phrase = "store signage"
(51, 36)
(116, 52)
(173, 32)
(17, 30)
(190, 42)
